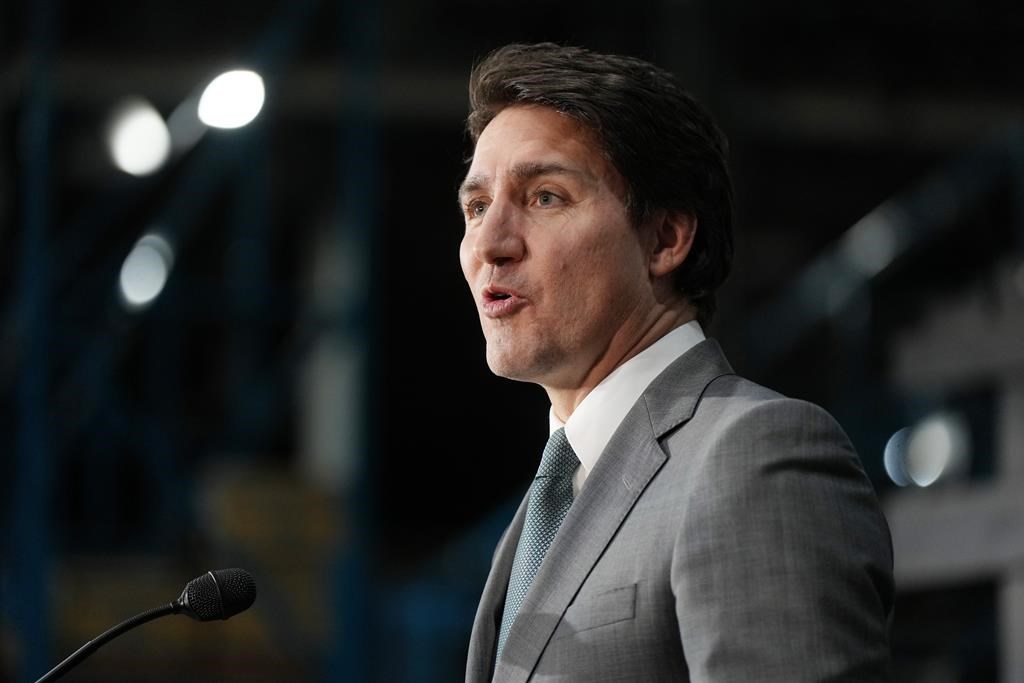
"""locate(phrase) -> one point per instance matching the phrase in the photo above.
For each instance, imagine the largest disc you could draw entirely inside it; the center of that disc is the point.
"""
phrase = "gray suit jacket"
(726, 534)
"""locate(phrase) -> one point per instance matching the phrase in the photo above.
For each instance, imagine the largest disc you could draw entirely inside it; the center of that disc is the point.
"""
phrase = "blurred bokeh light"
(145, 271)
(232, 99)
(138, 138)
(937, 447)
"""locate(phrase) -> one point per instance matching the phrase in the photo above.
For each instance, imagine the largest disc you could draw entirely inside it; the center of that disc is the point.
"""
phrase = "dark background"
(316, 298)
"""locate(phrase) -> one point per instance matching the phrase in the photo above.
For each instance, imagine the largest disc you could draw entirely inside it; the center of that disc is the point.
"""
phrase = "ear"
(672, 238)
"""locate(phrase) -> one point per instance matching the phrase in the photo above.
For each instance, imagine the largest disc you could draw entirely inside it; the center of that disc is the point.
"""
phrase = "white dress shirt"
(596, 418)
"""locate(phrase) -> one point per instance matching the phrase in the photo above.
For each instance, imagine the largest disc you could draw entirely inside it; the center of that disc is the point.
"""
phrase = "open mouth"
(497, 303)
(495, 294)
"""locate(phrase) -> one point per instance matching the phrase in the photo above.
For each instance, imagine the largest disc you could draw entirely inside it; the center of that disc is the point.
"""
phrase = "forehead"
(522, 135)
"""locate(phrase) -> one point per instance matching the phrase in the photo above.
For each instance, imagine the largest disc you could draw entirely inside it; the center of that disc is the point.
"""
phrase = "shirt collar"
(591, 425)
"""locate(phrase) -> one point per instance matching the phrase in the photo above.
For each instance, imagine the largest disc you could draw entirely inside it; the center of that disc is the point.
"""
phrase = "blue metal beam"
(353, 657)
(31, 542)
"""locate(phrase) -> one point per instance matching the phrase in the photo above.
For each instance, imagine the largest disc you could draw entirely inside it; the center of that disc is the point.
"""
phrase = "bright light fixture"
(145, 271)
(232, 99)
(137, 138)
(937, 447)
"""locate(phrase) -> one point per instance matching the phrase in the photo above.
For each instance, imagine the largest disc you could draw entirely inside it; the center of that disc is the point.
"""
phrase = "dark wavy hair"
(664, 144)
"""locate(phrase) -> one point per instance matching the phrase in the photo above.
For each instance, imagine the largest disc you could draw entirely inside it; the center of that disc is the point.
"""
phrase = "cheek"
(598, 263)
(609, 272)
(466, 259)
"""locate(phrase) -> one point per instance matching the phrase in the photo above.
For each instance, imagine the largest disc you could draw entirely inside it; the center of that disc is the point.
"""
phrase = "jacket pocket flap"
(591, 611)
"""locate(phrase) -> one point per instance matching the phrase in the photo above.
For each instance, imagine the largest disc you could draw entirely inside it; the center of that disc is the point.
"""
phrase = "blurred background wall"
(251, 346)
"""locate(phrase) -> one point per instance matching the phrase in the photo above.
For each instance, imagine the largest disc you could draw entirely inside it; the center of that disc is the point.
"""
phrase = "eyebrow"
(520, 172)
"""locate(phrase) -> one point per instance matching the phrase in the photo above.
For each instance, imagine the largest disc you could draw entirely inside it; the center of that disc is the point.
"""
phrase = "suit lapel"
(492, 602)
(627, 465)
(673, 396)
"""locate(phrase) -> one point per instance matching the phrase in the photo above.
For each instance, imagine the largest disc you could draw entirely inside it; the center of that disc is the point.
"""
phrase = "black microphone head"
(219, 594)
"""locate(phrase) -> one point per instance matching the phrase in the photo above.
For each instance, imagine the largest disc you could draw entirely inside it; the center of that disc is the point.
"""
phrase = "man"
(685, 524)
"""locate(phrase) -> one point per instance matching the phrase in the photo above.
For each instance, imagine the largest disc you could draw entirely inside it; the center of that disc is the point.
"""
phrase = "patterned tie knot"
(558, 460)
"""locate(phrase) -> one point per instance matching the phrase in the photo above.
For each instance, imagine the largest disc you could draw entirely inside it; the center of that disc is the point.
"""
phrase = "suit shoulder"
(735, 399)
(742, 424)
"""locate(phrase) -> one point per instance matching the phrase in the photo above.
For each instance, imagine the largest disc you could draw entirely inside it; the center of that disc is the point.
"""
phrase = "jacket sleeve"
(782, 566)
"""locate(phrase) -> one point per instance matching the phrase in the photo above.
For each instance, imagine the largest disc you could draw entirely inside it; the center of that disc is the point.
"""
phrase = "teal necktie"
(550, 498)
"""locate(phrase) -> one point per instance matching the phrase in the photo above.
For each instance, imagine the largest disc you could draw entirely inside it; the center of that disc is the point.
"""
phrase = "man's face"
(559, 273)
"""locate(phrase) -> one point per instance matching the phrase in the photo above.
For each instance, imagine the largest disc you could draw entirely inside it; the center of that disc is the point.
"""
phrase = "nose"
(497, 238)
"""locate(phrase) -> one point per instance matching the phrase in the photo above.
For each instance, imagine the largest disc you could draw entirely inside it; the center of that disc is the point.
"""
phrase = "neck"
(564, 400)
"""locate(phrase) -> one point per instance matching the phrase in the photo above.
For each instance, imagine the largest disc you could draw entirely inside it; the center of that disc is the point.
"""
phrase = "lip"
(498, 302)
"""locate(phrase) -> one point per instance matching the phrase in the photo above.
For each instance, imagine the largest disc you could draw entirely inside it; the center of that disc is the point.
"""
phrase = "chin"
(518, 364)
(502, 366)
(506, 361)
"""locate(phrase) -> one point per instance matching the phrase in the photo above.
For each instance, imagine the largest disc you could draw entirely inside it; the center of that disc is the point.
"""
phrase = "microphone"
(219, 594)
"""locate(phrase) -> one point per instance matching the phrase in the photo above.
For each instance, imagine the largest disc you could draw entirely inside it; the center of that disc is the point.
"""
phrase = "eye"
(545, 198)
(475, 208)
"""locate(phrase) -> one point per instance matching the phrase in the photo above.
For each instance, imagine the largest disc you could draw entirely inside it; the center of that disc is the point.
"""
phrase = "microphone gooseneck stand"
(94, 644)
